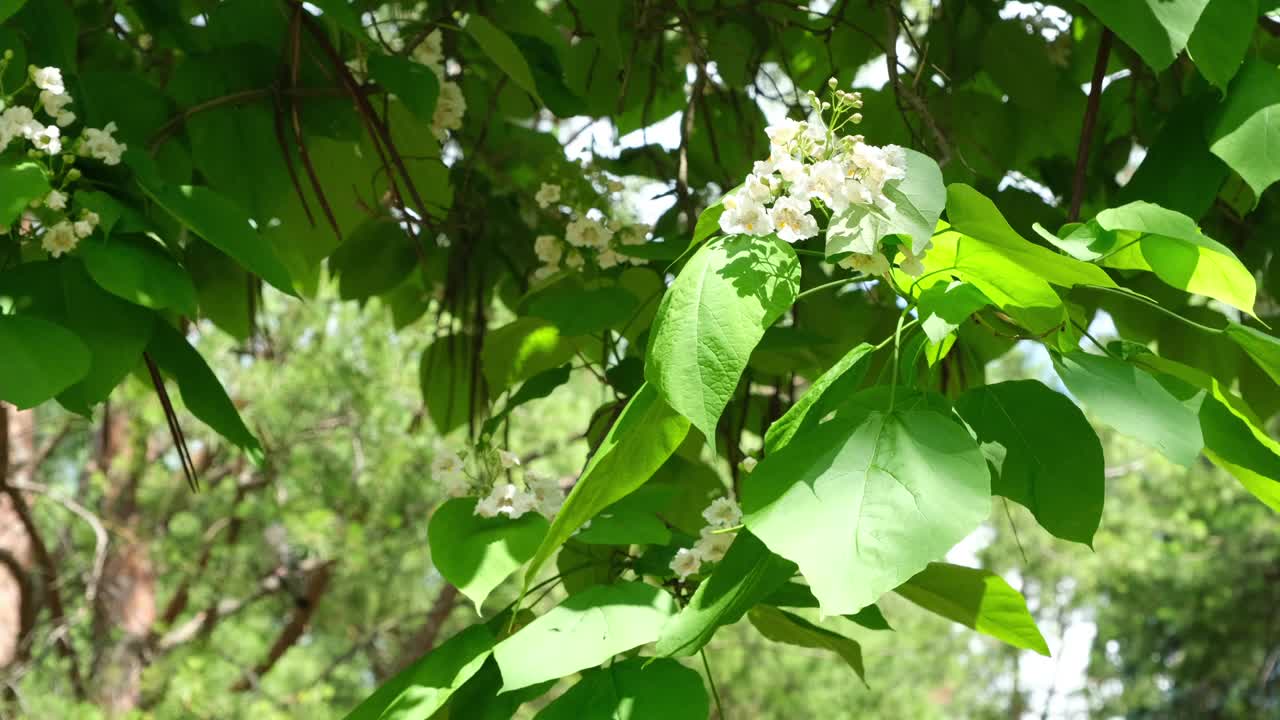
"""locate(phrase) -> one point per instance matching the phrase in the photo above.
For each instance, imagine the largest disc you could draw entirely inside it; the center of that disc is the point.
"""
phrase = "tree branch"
(425, 639)
(317, 583)
(1090, 120)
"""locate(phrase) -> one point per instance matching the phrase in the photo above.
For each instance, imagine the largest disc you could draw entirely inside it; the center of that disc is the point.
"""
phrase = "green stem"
(829, 285)
(1134, 296)
(706, 666)
(814, 253)
(897, 344)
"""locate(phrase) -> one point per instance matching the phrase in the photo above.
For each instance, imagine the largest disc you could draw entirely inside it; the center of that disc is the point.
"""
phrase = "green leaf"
(203, 395)
(448, 383)
(1263, 348)
(982, 249)
(1157, 29)
(620, 525)
(866, 500)
(840, 380)
(784, 627)
(476, 554)
(1053, 461)
(708, 223)
(712, 317)
(1134, 403)
(479, 698)
(795, 595)
(109, 210)
(414, 83)
(503, 52)
(977, 599)
(1173, 247)
(219, 221)
(140, 271)
(535, 388)
(521, 349)
(114, 331)
(1238, 446)
(20, 183)
(634, 689)
(1221, 38)
(1179, 171)
(40, 360)
(580, 310)
(222, 287)
(945, 307)
(424, 687)
(1234, 436)
(585, 630)
(746, 575)
(918, 201)
(1246, 131)
(644, 436)
(9, 7)
(376, 257)
(344, 14)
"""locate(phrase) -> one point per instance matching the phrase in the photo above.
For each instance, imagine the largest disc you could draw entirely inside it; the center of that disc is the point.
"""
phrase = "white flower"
(65, 118)
(712, 546)
(450, 107)
(873, 264)
(546, 493)
(745, 217)
(723, 513)
(911, 264)
(59, 239)
(792, 170)
(634, 234)
(446, 464)
(548, 249)
(544, 272)
(685, 563)
(53, 103)
(430, 52)
(145, 41)
(757, 189)
(48, 78)
(826, 183)
(791, 219)
(586, 232)
(614, 225)
(506, 499)
(83, 228)
(101, 145)
(749, 463)
(508, 459)
(874, 166)
(785, 132)
(573, 260)
(614, 186)
(548, 195)
(56, 200)
(608, 258)
(48, 139)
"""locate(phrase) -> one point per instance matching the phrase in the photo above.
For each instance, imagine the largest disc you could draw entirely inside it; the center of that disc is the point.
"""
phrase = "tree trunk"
(17, 587)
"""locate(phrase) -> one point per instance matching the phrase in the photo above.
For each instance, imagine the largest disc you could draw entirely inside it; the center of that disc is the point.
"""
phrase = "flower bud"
(8, 53)
(832, 83)
(73, 175)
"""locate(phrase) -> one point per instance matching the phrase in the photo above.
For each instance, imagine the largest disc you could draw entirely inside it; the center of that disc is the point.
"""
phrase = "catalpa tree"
(859, 205)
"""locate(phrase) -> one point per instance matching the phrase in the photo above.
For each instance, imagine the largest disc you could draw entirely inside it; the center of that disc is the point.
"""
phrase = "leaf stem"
(706, 666)
(1151, 303)
(829, 285)
(813, 253)
(897, 343)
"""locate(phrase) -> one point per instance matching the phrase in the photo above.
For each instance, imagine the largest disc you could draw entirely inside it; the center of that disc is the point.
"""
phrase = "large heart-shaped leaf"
(40, 360)
(868, 499)
(711, 319)
(476, 554)
(424, 687)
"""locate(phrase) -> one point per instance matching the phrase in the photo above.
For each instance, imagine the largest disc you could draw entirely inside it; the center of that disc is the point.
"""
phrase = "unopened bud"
(73, 175)
(832, 83)
(8, 54)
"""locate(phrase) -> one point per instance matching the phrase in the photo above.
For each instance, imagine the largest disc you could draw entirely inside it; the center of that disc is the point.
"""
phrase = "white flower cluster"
(20, 122)
(812, 162)
(450, 104)
(587, 239)
(538, 493)
(722, 515)
(60, 230)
